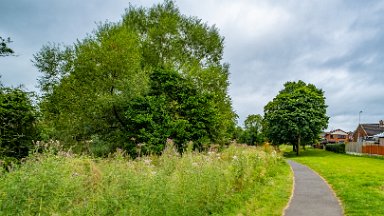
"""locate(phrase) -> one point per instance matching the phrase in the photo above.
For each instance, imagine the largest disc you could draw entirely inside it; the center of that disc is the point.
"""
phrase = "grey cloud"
(335, 44)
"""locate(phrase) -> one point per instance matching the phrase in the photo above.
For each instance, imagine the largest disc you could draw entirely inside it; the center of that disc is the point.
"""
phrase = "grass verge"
(237, 181)
(358, 181)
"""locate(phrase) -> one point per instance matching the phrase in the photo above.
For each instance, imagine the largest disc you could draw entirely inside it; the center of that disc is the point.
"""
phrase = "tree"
(17, 123)
(4, 49)
(296, 116)
(88, 88)
(173, 108)
(252, 133)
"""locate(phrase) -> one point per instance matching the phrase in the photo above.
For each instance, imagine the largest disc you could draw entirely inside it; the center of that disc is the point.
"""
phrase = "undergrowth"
(239, 180)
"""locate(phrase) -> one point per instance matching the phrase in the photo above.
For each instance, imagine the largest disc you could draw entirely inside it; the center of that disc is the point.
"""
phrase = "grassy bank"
(237, 180)
(357, 181)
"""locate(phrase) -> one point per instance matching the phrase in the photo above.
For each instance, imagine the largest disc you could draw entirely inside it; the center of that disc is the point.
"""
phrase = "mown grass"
(237, 181)
(358, 181)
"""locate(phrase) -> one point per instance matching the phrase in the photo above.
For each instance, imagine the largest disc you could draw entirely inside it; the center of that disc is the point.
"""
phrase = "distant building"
(367, 131)
(336, 136)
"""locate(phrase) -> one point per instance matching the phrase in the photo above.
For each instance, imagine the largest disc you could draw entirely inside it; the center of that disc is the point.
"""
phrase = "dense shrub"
(337, 148)
(239, 180)
(17, 123)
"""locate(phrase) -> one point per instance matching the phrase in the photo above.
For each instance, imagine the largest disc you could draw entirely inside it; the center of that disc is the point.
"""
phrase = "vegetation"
(296, 116)
(238, 180)
(358, 181)
(101, 88)
(252, 132)
(337, 148)
(172, 108)
(17, 128)
(4, 49)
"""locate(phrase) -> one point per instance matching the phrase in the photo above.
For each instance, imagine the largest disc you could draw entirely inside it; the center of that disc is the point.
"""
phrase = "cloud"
(335, 44)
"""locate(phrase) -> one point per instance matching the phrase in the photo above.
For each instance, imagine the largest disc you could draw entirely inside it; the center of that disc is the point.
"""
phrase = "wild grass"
(237, 181)
(358, 181)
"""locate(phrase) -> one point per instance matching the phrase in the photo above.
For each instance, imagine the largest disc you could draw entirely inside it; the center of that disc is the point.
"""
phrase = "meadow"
(238, 180)
(358, 181)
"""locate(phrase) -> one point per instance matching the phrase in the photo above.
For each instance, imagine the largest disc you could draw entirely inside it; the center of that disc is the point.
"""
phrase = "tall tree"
(296, 116)
(252, 134)
(4, 49)
(88, 86)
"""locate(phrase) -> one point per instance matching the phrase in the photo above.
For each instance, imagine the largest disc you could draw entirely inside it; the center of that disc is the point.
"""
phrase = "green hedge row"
(337, 148)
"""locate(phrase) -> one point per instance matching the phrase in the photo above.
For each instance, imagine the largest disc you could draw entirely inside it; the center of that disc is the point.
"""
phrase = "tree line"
(153, 76)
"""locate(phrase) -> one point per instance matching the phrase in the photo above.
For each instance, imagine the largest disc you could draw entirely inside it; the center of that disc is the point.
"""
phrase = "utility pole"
(358, 132)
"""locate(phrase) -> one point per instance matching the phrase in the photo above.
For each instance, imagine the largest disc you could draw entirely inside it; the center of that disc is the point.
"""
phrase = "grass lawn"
(358, 181)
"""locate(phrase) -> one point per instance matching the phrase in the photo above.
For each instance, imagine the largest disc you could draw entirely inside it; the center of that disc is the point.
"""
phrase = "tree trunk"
(298, 146)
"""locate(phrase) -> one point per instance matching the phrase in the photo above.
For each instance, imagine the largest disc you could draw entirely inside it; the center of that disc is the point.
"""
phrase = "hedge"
(337, 148)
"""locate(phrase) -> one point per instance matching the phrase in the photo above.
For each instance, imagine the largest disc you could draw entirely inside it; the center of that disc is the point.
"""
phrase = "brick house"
(363, 131)
(336, 136)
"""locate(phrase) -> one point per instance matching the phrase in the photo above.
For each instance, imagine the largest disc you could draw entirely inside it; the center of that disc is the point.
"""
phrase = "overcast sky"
(336, 45)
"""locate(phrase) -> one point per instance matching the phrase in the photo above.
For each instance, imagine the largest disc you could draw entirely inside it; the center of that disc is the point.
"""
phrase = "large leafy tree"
(173, 108)
(296, 116)
(88, 88)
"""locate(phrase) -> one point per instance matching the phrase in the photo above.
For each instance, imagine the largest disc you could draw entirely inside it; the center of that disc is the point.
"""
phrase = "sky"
(336, 45)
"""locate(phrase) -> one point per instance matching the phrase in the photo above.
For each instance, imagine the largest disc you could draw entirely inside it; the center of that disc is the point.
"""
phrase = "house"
(336, 136)
(366, 131)
(380, 136)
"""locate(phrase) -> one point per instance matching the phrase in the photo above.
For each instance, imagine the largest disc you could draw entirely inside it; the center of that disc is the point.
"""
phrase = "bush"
(17, 123)
(337, 148)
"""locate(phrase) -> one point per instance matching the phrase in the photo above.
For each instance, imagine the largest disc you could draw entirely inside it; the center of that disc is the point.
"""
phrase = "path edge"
(293, 189)
(326, 182)
(330, 187)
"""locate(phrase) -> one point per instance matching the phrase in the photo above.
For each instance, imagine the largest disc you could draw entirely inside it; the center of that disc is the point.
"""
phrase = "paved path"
(311, 196)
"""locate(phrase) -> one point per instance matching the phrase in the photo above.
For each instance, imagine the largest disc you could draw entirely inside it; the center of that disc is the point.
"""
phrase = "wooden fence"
(354, 147)
(365, 148)
(373, 149)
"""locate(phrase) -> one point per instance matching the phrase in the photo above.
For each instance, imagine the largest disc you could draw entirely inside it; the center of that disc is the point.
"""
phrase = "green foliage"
(252, 134)
(239, 180)
(357, 181)
(337, 148)
(17, 123)
(297, 115)
(91, 88)
(4, 49)
(172, 108)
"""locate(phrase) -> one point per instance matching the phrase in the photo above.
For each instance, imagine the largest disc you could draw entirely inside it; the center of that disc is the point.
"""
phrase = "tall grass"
(238, 180)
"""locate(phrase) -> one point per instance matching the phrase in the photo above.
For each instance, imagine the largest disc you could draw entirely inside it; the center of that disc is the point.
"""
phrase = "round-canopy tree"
(88, 87)
(296, 116)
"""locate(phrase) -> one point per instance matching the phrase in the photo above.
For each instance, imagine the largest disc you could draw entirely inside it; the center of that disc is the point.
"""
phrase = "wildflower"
(147, 161)
(235, 157)
(274, 155)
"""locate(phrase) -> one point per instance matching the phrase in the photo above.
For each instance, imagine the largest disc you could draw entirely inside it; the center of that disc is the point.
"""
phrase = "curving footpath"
(311, 196)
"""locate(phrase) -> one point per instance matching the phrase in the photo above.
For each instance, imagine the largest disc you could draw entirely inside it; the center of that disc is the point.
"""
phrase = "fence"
(354, 147)
(373, 149)
(365, 148)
